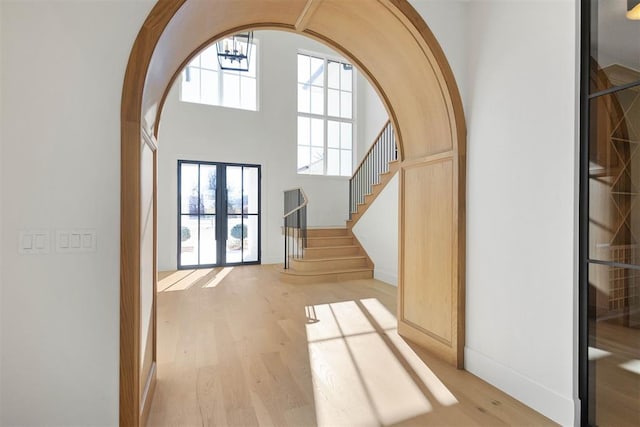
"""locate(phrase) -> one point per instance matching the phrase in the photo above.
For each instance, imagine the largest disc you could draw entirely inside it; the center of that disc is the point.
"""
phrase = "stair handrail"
(295, 224)
(375, 162)
(364, 158)
(304, 204)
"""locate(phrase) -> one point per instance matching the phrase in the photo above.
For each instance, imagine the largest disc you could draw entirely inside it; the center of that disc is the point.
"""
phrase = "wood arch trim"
(423, 102)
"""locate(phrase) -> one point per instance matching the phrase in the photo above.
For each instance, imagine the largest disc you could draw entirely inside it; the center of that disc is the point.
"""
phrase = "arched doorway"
(392, 46)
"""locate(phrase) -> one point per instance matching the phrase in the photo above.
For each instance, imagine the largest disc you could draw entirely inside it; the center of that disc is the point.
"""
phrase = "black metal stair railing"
(376, 162)
(295, 225)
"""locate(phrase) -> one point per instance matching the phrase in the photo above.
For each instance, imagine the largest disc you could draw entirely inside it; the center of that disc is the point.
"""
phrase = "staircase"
(376, 189)
(318, 255)
(373, 173)
(331, 255)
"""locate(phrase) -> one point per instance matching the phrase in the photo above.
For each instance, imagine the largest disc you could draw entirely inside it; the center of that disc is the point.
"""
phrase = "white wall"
(267, 137)
(372, 115)
(63, 65)
(2, 61)
(521, 102)
(377, 231)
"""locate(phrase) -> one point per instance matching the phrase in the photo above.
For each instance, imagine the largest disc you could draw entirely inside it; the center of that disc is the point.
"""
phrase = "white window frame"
(220, 80)
(325, 117)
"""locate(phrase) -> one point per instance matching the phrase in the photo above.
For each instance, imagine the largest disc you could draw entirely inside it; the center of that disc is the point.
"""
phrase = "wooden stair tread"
(322, 232)
(326, 228)
(322, 242)
(333, 258)
(326, 272)
(332, 247)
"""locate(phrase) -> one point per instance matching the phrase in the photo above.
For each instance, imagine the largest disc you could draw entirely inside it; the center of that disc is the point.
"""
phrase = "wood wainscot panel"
(428, 302)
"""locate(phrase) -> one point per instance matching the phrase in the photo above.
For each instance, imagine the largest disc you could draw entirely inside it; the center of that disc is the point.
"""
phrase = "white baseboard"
(272, 260)
(386, 277)
(560, 409)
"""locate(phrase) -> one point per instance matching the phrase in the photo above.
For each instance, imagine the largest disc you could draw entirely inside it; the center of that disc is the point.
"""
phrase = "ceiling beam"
(306, 15)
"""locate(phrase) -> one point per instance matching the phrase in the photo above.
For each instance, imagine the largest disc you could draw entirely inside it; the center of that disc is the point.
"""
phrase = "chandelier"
(234, 52)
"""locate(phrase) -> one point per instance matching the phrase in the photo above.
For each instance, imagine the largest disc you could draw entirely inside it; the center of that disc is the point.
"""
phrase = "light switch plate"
(31, 242)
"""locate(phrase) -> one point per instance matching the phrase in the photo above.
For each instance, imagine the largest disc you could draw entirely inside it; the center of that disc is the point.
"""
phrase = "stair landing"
(332, 255)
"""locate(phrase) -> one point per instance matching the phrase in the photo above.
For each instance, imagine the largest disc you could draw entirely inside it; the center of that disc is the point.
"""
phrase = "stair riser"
(326, 232)
(325, 278)
(315, 253)
(329, 241)
(328, 265)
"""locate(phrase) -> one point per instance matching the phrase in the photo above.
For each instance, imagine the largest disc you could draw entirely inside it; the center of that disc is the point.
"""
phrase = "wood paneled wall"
(422, 99)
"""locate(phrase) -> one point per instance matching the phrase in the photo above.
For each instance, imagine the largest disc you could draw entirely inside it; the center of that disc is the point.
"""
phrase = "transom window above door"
(203, 82)
(325, 115)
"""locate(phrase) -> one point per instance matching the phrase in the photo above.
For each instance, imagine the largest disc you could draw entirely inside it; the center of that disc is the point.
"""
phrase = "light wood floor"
(237, 347)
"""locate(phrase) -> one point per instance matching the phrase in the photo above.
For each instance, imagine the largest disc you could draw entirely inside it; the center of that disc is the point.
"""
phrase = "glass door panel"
(208, 186)
(250, 249)
(189, 189)
(189, 241)
(251, 211)
(208, 243)
(236, 238)
(234, 190)
(250, 191)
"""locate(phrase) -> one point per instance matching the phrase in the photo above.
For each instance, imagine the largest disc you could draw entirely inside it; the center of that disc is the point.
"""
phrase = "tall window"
(325, 116)
(203, 82)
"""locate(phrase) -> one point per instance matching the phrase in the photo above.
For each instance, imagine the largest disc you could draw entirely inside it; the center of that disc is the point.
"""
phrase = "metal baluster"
(374, 164)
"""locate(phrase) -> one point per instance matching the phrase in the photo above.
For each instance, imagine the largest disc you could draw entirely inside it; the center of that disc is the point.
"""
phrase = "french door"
(218, 214)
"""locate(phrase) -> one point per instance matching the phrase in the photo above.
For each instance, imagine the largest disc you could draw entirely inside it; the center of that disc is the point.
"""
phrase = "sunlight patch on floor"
(321, 324)
(218, 278)
(351, 320)
(379, 312)
(429, 379)
(184, 283)
(388, 322)
(168, 279)
(358, 364)
(393, 393)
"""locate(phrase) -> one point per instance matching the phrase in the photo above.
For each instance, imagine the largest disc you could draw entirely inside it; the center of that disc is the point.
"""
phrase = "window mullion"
(200, 84)
(325, 93)
(220, 87)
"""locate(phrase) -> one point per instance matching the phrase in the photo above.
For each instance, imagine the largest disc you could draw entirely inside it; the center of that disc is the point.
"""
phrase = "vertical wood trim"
(149, 392)
(449, 346)
(150, 387)
(154, 308)
(130, 277)
(130, 209)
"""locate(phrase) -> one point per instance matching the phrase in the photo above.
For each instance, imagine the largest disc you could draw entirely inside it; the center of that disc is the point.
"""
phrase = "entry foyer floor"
(237, 347)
